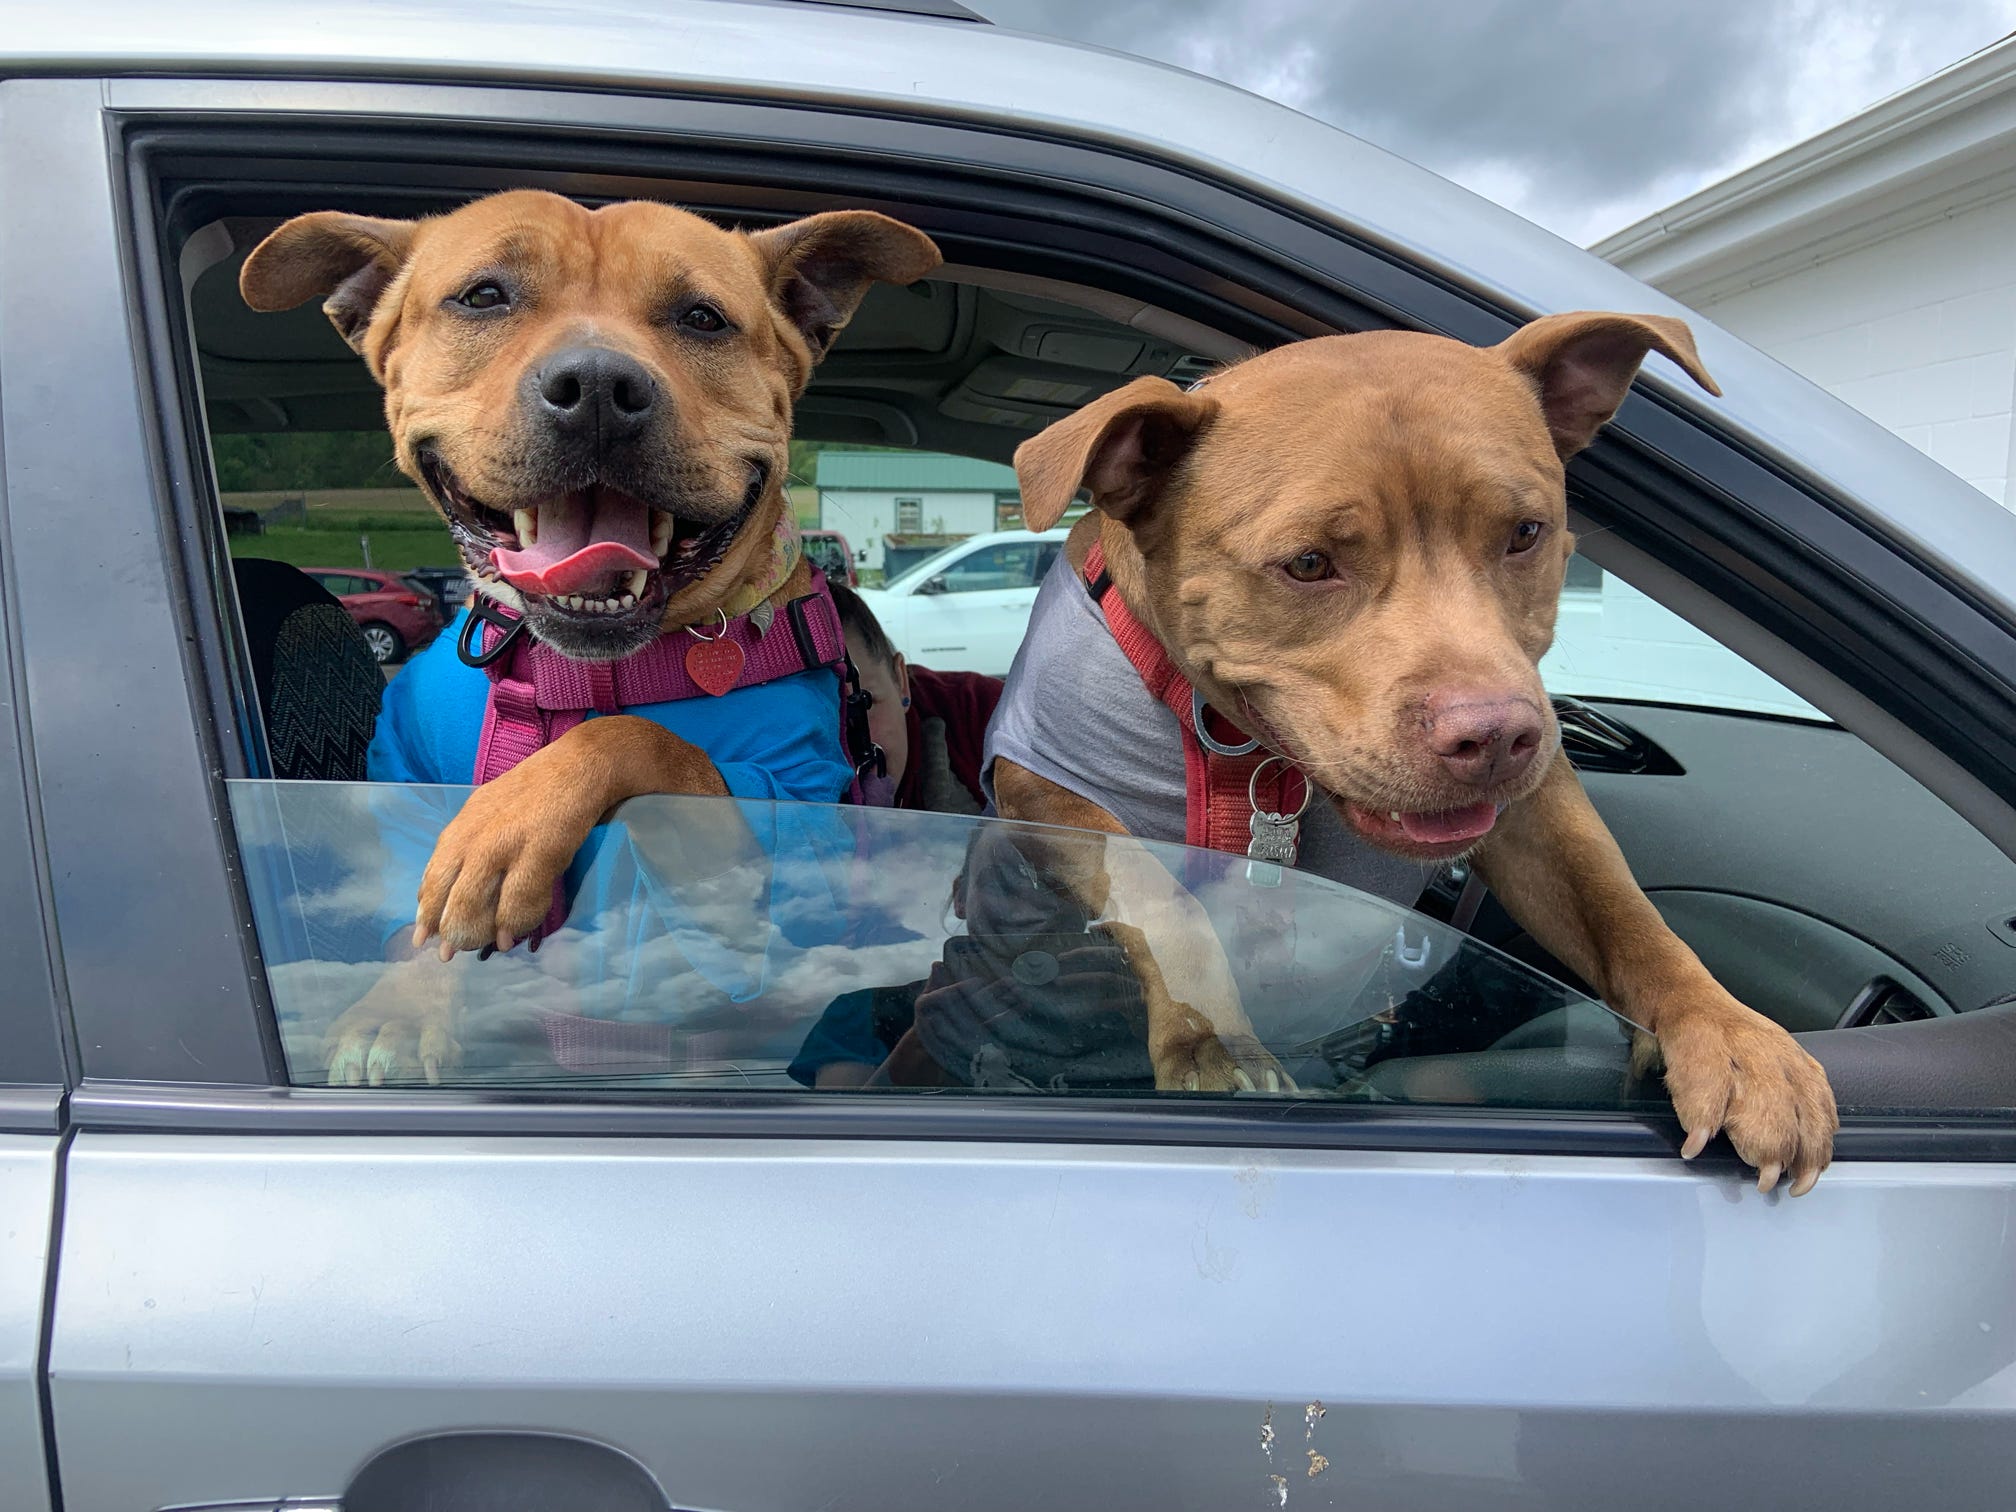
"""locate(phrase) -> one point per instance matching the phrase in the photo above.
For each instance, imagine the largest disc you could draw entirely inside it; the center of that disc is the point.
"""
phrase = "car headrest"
(319, 687)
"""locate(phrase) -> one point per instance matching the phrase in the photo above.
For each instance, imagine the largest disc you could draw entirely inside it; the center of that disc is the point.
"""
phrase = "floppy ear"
(820, 267)
(349, 260)
(1583, 365)
(1121, 447)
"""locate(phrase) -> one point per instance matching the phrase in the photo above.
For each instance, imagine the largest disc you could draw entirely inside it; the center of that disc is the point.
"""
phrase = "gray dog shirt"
(1076, 712)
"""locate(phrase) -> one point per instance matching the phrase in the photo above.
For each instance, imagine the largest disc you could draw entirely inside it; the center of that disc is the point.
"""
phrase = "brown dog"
(599, 403)
(1353, 548)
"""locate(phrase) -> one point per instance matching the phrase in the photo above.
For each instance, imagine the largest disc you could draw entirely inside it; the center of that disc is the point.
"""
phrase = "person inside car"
(930, 725)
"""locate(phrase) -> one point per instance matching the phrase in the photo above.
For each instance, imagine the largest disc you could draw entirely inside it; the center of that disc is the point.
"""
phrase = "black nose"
(595, 393)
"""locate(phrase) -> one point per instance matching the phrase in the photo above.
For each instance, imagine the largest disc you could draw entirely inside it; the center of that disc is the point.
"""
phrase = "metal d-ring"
(1253, 789)
(717, 634)
(1216, 747)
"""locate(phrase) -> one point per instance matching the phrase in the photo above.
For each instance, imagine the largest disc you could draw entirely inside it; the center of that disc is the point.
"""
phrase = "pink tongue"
(1450, 825)
(585, 538)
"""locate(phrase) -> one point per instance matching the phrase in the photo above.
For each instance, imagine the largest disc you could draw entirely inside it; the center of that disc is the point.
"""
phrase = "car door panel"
(1807, 817)
(1809, 971)
(832, 1324)
(27, 1212)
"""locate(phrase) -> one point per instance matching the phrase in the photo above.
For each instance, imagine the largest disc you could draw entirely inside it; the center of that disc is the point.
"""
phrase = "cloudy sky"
(1583, 115)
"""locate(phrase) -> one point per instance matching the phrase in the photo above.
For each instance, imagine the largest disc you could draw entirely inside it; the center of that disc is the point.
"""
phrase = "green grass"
(402, 500)
(398, 550)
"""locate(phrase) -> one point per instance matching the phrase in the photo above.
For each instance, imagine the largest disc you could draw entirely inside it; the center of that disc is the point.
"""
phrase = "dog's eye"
(1309, 567)
(705, 319)
(1525, 536)
(487, 295)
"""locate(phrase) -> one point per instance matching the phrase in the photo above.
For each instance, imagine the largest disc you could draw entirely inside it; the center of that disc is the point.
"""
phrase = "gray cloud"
(1581, 114)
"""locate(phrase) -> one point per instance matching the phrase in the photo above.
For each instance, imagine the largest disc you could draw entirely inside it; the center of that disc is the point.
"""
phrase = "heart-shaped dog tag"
(714, 664)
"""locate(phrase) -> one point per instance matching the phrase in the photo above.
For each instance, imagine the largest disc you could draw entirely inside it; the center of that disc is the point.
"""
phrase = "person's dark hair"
(856, 616)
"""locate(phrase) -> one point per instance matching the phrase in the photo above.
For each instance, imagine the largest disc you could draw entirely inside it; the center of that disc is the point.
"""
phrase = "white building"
(1877, 259)
(869, 496)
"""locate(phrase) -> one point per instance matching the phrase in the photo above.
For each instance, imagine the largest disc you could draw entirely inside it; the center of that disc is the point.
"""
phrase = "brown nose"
(1482, 738)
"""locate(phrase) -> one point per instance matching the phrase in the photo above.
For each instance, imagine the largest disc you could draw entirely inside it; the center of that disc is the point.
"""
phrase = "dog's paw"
(399, 1031)
(490, 880)
(1220, 1063)
(1732, 1071)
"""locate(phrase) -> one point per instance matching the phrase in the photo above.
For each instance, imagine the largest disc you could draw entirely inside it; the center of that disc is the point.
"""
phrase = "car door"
(971, 615)
(758, 1298)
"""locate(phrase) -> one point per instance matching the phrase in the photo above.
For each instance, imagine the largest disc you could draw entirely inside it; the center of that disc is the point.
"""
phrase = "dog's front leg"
(490, 880)
(1199, 1041)
(408, 1020)
(1553, 863)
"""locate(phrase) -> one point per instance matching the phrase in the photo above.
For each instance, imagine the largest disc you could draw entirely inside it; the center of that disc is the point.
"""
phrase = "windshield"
(710, 943)
(930, 567)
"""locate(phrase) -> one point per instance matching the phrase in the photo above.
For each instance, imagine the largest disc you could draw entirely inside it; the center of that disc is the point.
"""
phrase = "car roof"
(953, 70)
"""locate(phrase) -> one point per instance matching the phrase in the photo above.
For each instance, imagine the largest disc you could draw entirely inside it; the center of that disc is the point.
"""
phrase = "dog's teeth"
(661, 533)
(633, 582)
(629, 600)
(526, 523)
(1394, 816)
(575, 601)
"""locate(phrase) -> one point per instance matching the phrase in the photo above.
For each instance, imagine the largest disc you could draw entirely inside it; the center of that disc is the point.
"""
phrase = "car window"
(310, 488)
(710, 944)
(1796, 927)
(1612, 641)
(992, 568)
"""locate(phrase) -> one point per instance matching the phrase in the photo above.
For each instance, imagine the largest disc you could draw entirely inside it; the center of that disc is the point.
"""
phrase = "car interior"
(1821, 883)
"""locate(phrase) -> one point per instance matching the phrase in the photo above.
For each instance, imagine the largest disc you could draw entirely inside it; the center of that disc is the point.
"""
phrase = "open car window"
(717, 945)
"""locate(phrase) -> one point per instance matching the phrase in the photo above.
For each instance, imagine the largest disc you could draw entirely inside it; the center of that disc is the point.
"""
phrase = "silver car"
(638, 1251)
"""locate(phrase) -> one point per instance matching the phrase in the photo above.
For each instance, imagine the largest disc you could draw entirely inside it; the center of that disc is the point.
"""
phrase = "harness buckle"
(481, 610)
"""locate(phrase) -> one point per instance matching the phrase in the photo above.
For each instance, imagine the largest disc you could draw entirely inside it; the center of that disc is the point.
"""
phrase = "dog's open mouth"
(594, 554)
(1439, 832)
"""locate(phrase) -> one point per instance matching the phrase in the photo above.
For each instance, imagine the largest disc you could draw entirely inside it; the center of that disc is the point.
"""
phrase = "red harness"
(1223, 785)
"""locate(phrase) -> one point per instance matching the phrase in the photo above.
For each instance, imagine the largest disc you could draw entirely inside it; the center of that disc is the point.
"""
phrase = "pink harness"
(537, 695)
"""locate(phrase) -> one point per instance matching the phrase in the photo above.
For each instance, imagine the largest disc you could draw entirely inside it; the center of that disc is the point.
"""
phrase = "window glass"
(992, 568)
(1798, 865)
(1611, 641)
(745, 946)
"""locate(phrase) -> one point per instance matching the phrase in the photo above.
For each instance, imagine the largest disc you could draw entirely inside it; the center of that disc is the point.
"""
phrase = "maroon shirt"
(965, 702)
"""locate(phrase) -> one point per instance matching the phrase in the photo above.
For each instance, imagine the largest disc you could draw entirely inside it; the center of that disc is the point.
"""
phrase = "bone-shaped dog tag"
(1274, 846)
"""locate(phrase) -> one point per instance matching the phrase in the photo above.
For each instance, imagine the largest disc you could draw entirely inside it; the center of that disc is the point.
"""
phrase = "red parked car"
(396, 616)
(831, 554)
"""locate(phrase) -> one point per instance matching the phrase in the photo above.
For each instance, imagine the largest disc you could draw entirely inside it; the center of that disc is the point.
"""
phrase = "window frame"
(36, 1059)
(1722, 516)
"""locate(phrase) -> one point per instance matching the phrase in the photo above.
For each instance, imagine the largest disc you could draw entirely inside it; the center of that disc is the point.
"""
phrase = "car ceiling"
(964, 362)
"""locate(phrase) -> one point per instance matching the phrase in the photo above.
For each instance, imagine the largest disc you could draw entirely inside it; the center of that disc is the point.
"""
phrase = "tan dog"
(1353, 547)
(600, 404)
